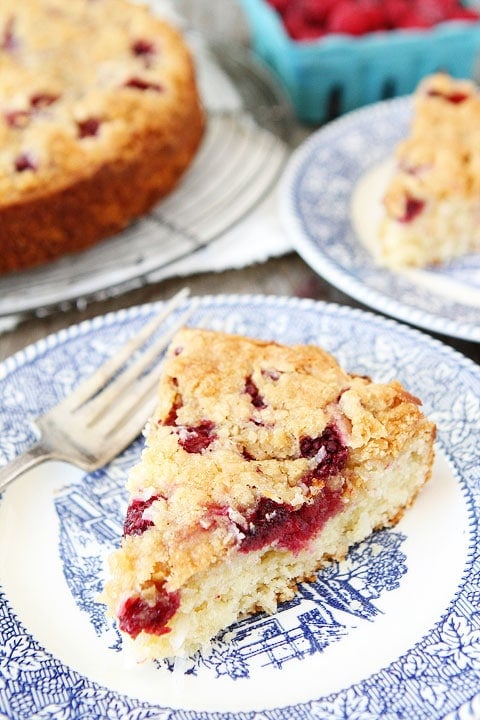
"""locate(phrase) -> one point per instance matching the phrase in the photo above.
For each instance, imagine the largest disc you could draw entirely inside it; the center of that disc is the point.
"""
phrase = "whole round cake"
(99, 117)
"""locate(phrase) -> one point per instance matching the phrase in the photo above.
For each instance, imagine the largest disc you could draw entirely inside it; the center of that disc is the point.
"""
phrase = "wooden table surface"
(287, 275)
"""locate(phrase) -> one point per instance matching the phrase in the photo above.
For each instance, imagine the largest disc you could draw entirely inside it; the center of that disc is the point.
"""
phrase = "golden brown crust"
(75, 217)
(82, 189)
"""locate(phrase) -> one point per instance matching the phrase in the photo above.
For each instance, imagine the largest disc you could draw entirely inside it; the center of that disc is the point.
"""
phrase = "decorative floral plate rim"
(316, 194)
(437, 677)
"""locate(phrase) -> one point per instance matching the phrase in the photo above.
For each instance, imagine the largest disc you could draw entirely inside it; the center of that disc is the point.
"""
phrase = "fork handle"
(35, 455)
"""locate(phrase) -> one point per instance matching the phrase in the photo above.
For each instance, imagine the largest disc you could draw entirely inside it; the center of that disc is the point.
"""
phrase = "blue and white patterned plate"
(391, 632)
(330, 203)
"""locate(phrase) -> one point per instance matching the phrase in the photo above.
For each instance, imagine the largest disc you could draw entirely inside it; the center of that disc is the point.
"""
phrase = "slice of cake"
(100, 116)
(432, 207)
(262, 463)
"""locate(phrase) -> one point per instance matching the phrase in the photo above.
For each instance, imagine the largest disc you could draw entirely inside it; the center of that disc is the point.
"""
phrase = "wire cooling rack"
(242, 155)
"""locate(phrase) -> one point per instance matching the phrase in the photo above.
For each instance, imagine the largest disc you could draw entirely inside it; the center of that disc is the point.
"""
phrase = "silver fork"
(99, 419)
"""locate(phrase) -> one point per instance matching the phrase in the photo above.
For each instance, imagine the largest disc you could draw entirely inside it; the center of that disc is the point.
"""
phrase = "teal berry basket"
(328, 77)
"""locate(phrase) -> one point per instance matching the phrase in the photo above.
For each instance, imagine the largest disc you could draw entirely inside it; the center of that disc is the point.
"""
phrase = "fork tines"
(118, 374)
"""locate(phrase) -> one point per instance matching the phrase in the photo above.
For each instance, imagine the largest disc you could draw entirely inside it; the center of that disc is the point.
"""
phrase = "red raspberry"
(140, 84)
(280, 6)
(316, 11)
(311, 19)
(88, 127)
(41, 100)
(435, 11)
(137, 615)
(196, 438)
(464, 14)
(252, 390)
(395, 11)
(415, 21)
(348, 17)
(142, 47)
(298, 26)
(24, 162)
(446, 7)
(413, 207)
(17, 118)
(374, 14)
(135, 524)
(7, 39)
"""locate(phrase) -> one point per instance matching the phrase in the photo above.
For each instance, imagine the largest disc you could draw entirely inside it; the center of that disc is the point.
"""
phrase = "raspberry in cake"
(99, 118)
(431, 203)
(262, 463)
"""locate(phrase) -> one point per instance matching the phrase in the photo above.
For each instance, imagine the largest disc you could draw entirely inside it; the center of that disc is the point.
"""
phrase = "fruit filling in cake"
(262, 463)
(432, 202)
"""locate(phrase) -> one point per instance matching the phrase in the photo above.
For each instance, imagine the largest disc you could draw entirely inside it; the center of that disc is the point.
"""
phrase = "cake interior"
(258, 580)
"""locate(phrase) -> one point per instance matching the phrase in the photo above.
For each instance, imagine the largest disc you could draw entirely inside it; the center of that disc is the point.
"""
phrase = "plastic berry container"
(337, 73)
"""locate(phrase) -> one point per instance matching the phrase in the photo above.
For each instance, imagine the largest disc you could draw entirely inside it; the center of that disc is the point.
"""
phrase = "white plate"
(330, 203)
(393, 631)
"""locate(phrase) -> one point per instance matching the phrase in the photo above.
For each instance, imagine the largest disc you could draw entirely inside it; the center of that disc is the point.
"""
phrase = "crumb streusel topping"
(74, 77)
